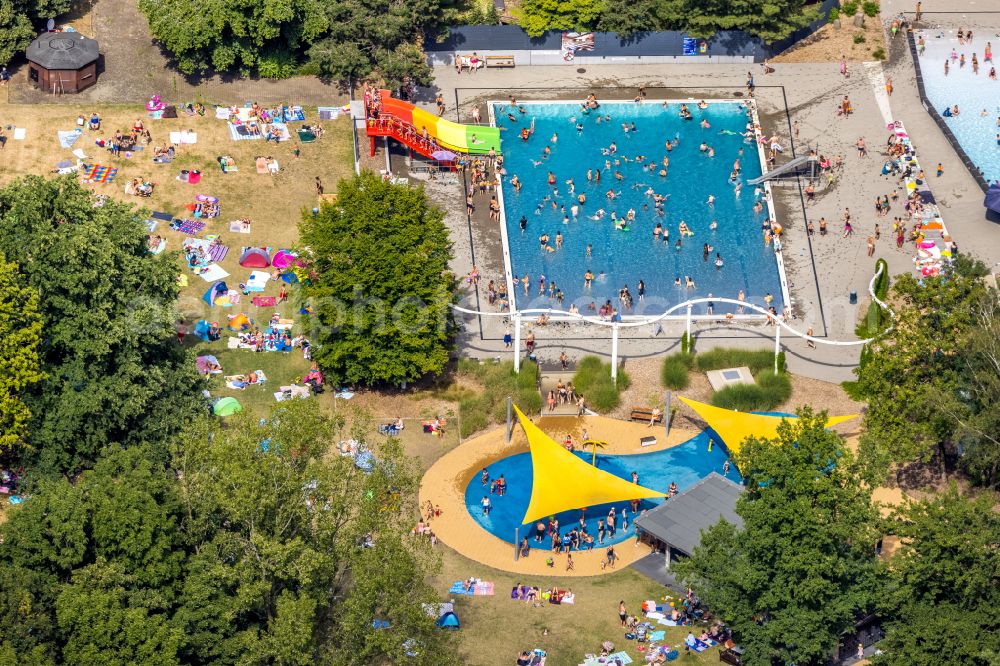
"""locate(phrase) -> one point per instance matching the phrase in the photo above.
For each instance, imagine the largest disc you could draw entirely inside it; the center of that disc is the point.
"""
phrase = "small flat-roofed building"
(62, 62)
(676, 525)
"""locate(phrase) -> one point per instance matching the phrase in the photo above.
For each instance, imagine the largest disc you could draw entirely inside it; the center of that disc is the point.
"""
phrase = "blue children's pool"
(618, 257)
(685, 465)
(973, 93)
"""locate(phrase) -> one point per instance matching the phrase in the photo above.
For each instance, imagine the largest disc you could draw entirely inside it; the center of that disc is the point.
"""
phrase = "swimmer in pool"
(689, 283)
(588, 279)
(714, 225)
(677, 281)
(718, 260)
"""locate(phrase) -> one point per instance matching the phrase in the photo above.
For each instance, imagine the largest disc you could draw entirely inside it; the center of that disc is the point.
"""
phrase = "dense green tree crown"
(253, 547)
(18, 20)
(380, 283)
(20, 331)
(342, 38)
(944, 587)
(933, 383)
(115, 374)
(803, 566)
(770, 20)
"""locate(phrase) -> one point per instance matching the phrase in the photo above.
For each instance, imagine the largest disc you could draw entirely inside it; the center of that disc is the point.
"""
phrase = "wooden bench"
(500, 61)
(644, 414)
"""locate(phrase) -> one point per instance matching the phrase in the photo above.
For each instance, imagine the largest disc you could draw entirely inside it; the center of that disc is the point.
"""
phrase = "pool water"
(685, 464)
(972, 93)
(625, 257)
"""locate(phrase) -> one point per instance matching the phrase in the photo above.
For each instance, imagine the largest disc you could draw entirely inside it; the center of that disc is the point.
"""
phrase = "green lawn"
(495, 629)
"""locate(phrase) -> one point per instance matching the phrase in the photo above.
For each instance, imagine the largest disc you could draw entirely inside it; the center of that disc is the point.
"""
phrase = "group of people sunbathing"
(140, 187)
(531, 593)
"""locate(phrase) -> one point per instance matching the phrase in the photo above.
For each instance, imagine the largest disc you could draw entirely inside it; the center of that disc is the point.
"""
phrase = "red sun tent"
(255, 257)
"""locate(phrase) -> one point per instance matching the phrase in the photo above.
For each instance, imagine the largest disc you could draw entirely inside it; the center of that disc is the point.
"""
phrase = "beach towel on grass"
(237, 227)
(699, 646)
(20, 133)
(240, 133)
(98, 173)
(257, 281)
(483, 589)
(160, 215)
(188, 226)
(184, 137)
(218, 252)
(328, 112)
(213, 272)
(657, 635)
(282, 131)
(265, 301)
(160, 247)
(291, 114)
(67, 139)
(458, 587)
(667, 623)
(222, 113)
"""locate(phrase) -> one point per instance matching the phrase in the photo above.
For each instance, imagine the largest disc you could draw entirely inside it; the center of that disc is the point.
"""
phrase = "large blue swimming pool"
(620, 258)
(685, 464)
(973, 93)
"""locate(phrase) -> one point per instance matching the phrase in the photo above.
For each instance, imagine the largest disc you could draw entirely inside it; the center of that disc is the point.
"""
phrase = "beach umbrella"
(993, 198)
(443, 155)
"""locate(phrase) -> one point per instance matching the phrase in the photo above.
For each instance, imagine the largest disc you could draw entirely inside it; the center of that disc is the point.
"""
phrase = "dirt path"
(134, 67)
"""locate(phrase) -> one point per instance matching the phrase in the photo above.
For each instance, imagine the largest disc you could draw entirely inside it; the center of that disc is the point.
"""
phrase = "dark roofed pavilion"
(62, 62)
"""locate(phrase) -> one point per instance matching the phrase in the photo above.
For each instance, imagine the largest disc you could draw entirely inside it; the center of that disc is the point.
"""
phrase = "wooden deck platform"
(445, 482)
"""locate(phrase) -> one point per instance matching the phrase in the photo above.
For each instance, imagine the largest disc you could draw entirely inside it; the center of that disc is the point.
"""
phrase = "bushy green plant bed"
(498, 380)
(593, 381)
(676, 367)
(756, 360)
(770, 391)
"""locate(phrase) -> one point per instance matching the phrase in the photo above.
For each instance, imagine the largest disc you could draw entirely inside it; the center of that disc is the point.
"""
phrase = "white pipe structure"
(634, 323)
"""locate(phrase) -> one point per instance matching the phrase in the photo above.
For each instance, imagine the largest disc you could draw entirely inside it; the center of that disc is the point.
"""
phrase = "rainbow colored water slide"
(470, 139)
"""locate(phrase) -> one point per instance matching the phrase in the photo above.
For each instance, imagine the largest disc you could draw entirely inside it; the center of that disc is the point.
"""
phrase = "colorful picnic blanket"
(265, 301)
(98, 173)
(458, 587)
(483, 589)
(218, 252)
(188, 226)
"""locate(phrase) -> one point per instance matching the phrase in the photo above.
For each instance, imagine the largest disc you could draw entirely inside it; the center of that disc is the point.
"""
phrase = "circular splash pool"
(684, 464)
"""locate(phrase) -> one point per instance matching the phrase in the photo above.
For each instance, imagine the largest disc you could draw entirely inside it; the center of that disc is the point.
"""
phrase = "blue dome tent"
(217, 289)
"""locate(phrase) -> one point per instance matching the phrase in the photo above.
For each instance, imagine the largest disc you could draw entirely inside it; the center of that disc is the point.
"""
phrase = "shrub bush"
(593, 381)
(859, 38)
(674, 373)
(849, 8)
(870, 8)
(834, 14)
(498, 380)
(770, 391)
(756, 360)
(879, 53)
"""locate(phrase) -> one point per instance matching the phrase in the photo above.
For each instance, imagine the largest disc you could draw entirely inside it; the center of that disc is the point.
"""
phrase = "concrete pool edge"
(444, 484)
(939, 121)
(555, 314)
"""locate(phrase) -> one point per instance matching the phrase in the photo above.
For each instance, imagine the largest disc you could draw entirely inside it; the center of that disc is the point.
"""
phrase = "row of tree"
(804, 568)
(771, 20)
(932, 384)
(341, 39)
(150, 533)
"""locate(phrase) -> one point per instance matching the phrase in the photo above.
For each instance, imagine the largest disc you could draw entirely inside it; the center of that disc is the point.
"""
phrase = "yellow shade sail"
(734, 427)
(563, 482)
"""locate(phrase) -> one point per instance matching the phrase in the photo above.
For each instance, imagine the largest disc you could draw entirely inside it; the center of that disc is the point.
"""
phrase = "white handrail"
(690, 303)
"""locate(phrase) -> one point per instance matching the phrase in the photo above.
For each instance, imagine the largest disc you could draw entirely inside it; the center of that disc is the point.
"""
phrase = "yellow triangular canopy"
(563, 482)
(734, 427)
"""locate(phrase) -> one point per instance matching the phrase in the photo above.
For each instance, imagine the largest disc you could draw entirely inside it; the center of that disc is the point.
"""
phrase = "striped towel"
(188, 226)
(483, 589)
(218, 252)
(98, 173)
